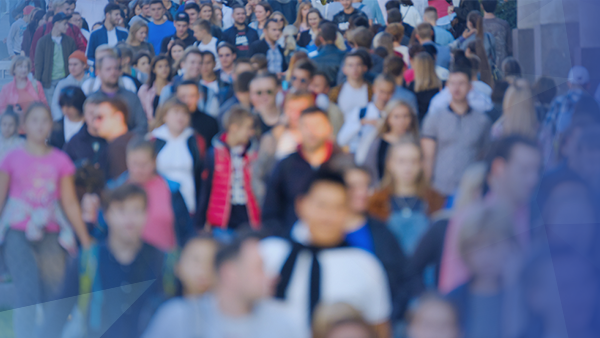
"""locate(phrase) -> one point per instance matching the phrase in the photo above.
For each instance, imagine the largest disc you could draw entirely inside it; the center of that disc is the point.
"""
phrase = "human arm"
(4, 185)
(54, 106)
(70, 205)
(10, 40)
(350, 128)
(38, 62)
(273, 208)
(205, 190)
(428, 145)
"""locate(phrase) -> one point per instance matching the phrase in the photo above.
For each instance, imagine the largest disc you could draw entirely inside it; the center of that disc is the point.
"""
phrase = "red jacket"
(72, 31)
(219, 202)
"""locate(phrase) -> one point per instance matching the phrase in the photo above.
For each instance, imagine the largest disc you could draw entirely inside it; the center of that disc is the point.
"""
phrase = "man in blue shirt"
(160, 28)
(441, 36)
(240, 35)
(425, 37)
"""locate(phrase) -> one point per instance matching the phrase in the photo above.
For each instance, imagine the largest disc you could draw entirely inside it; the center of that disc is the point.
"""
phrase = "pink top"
(160, 226)
(35, 180)
(441, 6)
(10, 94)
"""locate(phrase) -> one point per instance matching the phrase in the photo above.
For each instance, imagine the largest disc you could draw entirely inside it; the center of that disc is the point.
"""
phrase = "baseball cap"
(28, 9)
(60, 16)
(79, 55)
(182, 16)
(578, 75)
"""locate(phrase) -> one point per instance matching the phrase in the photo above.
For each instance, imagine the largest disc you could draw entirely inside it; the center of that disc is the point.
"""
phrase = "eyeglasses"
(267, 92)
(277, 19)
(301, 80)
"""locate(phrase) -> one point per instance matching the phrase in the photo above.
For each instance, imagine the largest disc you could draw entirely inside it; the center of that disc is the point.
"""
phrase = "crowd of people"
(284, 168)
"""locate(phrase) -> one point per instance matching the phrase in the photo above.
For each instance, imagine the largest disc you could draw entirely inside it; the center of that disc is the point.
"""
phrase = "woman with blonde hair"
(207, 13)
(23, 90)
(217, 16)
(138, 32)
(307, 37)
(302, 19)
(426, 83)
(398, 121)
(518, 112)
(280, 18)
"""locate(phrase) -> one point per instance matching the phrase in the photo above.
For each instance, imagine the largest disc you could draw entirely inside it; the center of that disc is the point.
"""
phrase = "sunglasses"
(277, 19)
(301, 80)
(267, 92)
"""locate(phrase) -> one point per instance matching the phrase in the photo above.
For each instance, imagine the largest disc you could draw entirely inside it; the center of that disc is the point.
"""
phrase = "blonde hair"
(396, 30)
(326, 316)
(285, 22)
(413, 128)
(388, 181)
(214, 17)
(425, 77)
(17, 61)
(299, 18)
(491, 221)
(134, 29)
(164, 110)
(518, 112)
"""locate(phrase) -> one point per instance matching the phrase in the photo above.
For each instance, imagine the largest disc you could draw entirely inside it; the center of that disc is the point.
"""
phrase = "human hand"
(450, 10)
(90, 205)
(468, 32)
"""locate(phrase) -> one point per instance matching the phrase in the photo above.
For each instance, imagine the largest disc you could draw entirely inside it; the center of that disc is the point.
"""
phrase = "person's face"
(357, 182)
(8, 127)
(62, 26)
(38, 125)
(65, 8)
(459, 86)
(192, 65)
(195, 268)
(324, 210)
(262, 93)
(305, 10)
(300, 79)
(315, 130)
(126, 219)
(346, 3)
(181, 28)
(137, 10)
(261, 14)
(89, 114)
(319, 85)
(243, 132)
(141, 166)
(313, 20)
(21, 70)
(110, 72)
(114, 17)
(146, 11)
(383, 91)
(199, 33)
(252, 280)
(399, 120)
(520, 174)
(354, 68)
(433, 320)
(279, 19)
(177, 119)
(162, 69)
(76, 67)
(71, 113)
(349, 330)
(157, 11)
(208, 65)
(189, 95)
(106, 119)
(239, 16)
(226, 57)
(404, 163)
(273, 32)
(141, 34)
(206, 13)
(177, 52)
(143, 65)
(293, 109)
(193, 14)
(76, 20)
(218, 15)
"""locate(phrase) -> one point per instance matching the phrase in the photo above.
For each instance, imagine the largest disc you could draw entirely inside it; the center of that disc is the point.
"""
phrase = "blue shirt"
(156, 33)
(442, 36)
(361, 238)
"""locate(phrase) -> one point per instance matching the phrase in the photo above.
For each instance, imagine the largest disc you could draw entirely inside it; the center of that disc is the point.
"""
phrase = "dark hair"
(193, 6)
(366, 60)
(489, 6)
(499, 90)
(242, 85)
(10, 112)
(362, 37)
(431, 50)
(153, 2)
(266, 6)
(414, 50)
(187, 83)
(393, 65)
(231, 251)
(140, 55)
(203, 24)
(381, 51)
(224, 44)
(503, 148)
(511, 67)
(237, 6)
(261, 62)
(111, 7)
(394, 16)
(35, 20)
(72, 96)
(324, 75)
(208, 53)
(323, 176)
(407, 2)
(138, 142)
(462, 64)
(117, 105)
(313, 111)
(152, 74)
(236, 115)
(270, 21)
(180, 44)
(544, 89)
(392, 4)
(123, 193)
(328, 31)
(358, 20)
(125, 51)
(308, 66)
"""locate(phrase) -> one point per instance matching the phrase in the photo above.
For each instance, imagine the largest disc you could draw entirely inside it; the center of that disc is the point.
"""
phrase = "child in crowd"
(9, 127)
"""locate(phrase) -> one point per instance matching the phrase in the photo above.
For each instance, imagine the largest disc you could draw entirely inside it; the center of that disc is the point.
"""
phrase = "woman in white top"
(410, 14)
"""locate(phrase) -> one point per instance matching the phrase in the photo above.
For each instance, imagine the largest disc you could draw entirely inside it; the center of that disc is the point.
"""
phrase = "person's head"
(241, 88)
(191, 63)
(518, 110)
(240, 66)
(60, 23)
(263, 91)
(475, 21)
(511, 68)
(294, 104)
(105, 50)
(71, 101)
(425, 76)
(384, 40)
(319, 84)
(459, 80)
(313, 18)
(578, 78)
(315, 129)
(160, 68)
(302, 75)
(272, 31)
(201, 29)
(76, 20)
(89, 113)
(239, 15)
(352, 328)
(358, 181)
(38, 18)
(193, 11)
(328, 315)
(424, 32)
(125, 213)
(383, 88)
(394, 16)
(37, 123)
(404, 166)
(142, 61)
(360, 37)
(187, 92)
(489, 6)
(175, 115)
(145, 8)
(262, 11)
(394, 65)
(327, 33)
(544, 90)
(323, 207)
(20, 67)
(96, 26)
(280, 18)
(9, 123)
(259, 63)
(176, 53)
(354, 66)
(430, 15)
(227, 54)
(77, 63)
(486, 241)
(141, 160)
(240, 271)
(217, 16)
(206, 12)
(208, 64)
(240, 125)
(109, 116)
(514, 164)
(108, 69)
(126, 55)
(157, 10)
(399, 119)
(346, 4)
(415, 49)
(112, 14)
(196, 266)
(432, 316)
(182, 23)
(397, 31)
(63, 6)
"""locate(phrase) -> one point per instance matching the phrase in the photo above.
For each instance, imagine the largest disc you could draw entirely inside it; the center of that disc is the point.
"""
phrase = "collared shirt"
(58, 64)
(275, 59)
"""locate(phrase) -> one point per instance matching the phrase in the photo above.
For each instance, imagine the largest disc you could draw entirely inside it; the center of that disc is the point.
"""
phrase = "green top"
(58, 64)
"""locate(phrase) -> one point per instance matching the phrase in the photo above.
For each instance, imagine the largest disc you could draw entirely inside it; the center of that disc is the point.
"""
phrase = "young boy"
(362, 121)
(355, 92)
(116, 284)
(227, 201)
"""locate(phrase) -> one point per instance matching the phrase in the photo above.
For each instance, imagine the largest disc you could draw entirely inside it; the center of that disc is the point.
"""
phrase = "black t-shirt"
(188, 41)
(205, 125)
(341, 19)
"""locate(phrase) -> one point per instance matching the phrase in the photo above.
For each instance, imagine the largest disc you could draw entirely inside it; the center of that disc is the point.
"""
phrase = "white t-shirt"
(112, 37)
(348, 275)
(411, 16)
(211, 47)
(353, 132)
(214, 85)
(71, 128)
(350, 98)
